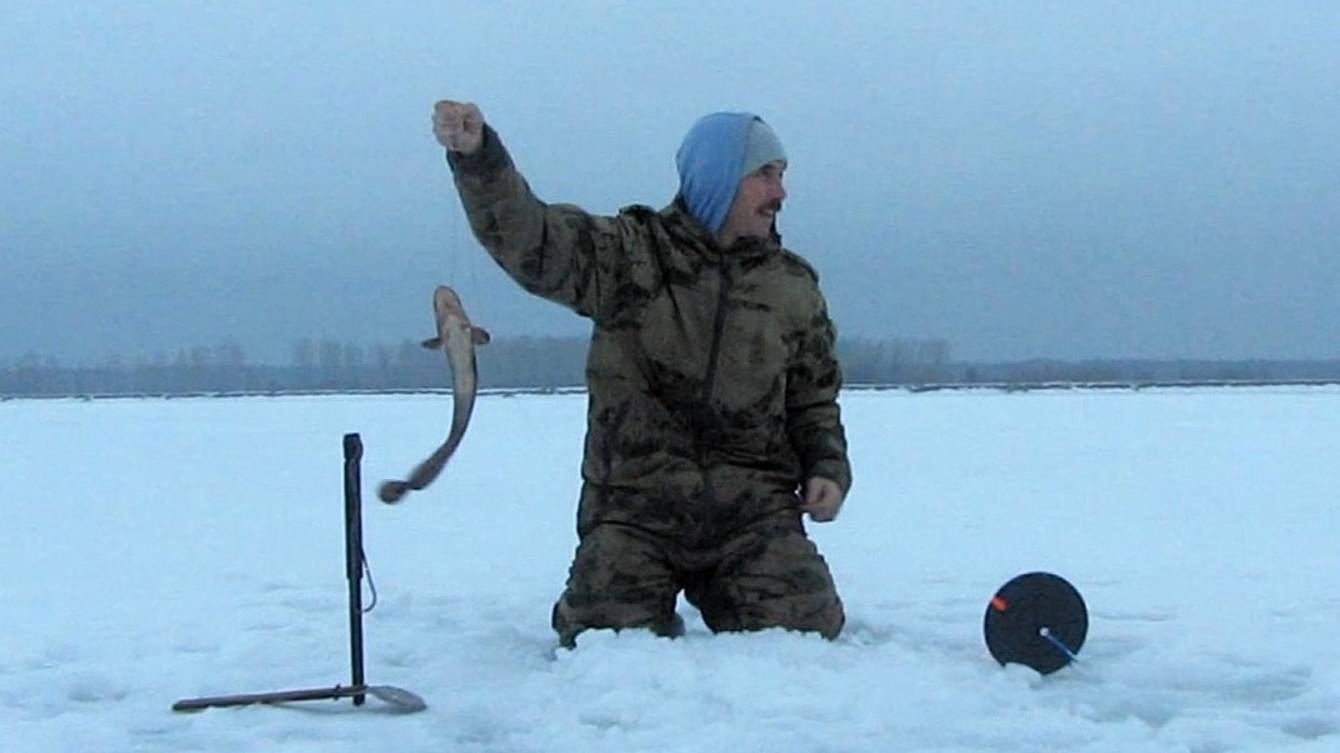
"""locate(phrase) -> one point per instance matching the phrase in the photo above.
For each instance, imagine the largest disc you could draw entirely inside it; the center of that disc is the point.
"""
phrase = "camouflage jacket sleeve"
(556, 251)
(813, 418)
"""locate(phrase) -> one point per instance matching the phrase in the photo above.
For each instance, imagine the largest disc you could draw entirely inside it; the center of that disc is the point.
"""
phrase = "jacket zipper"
(709, 381)
(718, 328)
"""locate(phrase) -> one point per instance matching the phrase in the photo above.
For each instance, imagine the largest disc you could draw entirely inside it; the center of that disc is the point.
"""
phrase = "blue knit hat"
(718, 151)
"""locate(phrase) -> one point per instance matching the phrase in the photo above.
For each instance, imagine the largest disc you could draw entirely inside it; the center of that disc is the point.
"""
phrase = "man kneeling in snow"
(713, 421)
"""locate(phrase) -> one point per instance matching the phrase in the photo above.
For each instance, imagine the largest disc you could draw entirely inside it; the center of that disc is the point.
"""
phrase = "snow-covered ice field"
(157, 549)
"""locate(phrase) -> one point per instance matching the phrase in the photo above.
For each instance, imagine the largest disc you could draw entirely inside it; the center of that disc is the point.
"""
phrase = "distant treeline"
(558, 362)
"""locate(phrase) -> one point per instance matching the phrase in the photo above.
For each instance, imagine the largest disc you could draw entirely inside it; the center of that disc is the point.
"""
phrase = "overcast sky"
(1068, 179)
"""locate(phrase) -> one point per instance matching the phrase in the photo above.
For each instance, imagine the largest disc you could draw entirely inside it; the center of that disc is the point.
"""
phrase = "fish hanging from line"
(457, 338)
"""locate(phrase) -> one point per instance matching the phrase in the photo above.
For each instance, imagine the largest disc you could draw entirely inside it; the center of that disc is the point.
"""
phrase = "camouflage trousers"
(767, 575)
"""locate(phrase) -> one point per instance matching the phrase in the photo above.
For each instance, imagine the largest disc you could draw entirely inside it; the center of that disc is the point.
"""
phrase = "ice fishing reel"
(355, 564)
(1038, 620)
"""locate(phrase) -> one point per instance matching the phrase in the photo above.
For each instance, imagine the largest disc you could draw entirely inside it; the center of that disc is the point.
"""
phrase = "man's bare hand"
(822, 500)
(458, 126)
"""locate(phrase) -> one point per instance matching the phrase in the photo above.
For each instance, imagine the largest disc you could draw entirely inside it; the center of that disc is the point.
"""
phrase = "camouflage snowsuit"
(713, 395)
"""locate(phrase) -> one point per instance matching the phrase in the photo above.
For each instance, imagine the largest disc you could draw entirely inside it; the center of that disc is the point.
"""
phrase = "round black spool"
(1028, 610)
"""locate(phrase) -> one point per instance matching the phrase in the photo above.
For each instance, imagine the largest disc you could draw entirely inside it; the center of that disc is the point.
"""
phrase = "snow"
(159, 549)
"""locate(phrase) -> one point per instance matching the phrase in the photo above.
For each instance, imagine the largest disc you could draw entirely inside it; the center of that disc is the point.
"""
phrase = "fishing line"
(372, 586)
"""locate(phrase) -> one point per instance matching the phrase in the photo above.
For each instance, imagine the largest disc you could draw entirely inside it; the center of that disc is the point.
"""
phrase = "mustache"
(772, 206)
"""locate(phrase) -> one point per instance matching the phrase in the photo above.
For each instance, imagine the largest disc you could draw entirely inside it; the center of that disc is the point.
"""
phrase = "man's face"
(757, 202)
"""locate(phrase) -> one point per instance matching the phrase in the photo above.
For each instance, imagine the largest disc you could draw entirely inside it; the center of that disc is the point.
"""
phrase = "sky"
(128, 588)
(1056, 180)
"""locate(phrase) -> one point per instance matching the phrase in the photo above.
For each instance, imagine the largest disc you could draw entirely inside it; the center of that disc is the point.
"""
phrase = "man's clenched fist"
(458, 126)
(822, 499)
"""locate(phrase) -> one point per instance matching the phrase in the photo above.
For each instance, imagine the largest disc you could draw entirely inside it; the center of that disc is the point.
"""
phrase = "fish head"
(449, 312)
